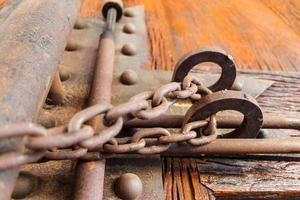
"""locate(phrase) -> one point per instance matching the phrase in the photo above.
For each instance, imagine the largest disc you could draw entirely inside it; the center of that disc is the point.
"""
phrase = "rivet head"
(128, 186)
(129, 77)
(80, 24)
(47, 120)
(63, 73)
(263, 133)
(128, 13)
(128, 49)
(129, 28)
(237, 85)
(25, 185)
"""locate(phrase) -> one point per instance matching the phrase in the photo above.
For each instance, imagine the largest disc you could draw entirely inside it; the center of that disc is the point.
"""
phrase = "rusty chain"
(79, 140)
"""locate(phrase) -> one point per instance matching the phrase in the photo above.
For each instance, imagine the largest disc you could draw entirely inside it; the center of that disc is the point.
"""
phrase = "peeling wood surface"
(215, 178)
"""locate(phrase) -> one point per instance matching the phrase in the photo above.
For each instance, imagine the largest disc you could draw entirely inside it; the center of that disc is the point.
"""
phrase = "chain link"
(80, 140)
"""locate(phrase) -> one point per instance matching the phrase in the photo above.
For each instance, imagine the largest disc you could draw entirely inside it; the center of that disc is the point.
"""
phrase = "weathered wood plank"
(250, 179)
(259, 34)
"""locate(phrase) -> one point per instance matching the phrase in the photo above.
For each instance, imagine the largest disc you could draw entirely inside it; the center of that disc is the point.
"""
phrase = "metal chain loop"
(154, 149)
(78, 140)
(204, 139)
(150, 112)
(124, 145)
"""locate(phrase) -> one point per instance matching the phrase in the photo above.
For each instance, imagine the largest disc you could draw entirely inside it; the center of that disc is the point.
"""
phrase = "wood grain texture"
(261, 35)
(3, 3)
(257, 178)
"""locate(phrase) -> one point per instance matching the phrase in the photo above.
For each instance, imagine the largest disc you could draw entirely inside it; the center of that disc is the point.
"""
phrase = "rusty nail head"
(129, 77)
(129, 28)
(25, 185)
(128, 186)
(237, 85)
(129, 50)
(128, 13)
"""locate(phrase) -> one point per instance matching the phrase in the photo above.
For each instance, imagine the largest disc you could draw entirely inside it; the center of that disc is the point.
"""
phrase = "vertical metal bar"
(111, 19)
(30, 50)
(90, 175)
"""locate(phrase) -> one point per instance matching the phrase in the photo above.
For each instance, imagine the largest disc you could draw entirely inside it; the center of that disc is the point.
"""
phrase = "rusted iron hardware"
(80, 141)
(142, 125)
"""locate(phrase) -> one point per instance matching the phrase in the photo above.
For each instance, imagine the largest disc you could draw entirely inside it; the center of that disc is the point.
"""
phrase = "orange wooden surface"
(259, 34)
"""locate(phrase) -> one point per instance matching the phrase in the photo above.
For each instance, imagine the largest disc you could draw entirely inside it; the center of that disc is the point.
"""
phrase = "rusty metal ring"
(154, 149)
(79, 118)
(147, 95)
(204, 139)
(64, 154)
(188, 80)
(16, 159)
(124, 148)
(154, 112)
(125, 108)
(96, 142)
(151, 112)
(215, 55)
(187, 92)
(22, 129)
(161, 92)
(229, 100)
(64, 140)
(177, 137)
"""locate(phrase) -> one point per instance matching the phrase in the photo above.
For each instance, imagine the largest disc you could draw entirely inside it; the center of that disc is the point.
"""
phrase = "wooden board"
(260, 34)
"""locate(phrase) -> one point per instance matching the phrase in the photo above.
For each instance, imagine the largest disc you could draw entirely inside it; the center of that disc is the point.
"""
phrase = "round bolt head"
(263, 133)
(128, 13)
(129, 28)
(128, 186)
(80, 24)
(63, 73)
(237, 85)
(129, 77)
(129, 49)
(47, 120)
(25, 185)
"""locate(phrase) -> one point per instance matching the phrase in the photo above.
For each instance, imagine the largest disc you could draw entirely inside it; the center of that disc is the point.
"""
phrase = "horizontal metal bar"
(238, 146)
(223, 121)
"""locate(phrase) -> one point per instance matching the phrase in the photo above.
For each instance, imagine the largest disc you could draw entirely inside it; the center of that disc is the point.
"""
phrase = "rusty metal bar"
(29, 53)
(111, 19)
(223, 121)
(90, 175)
(238, 146)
